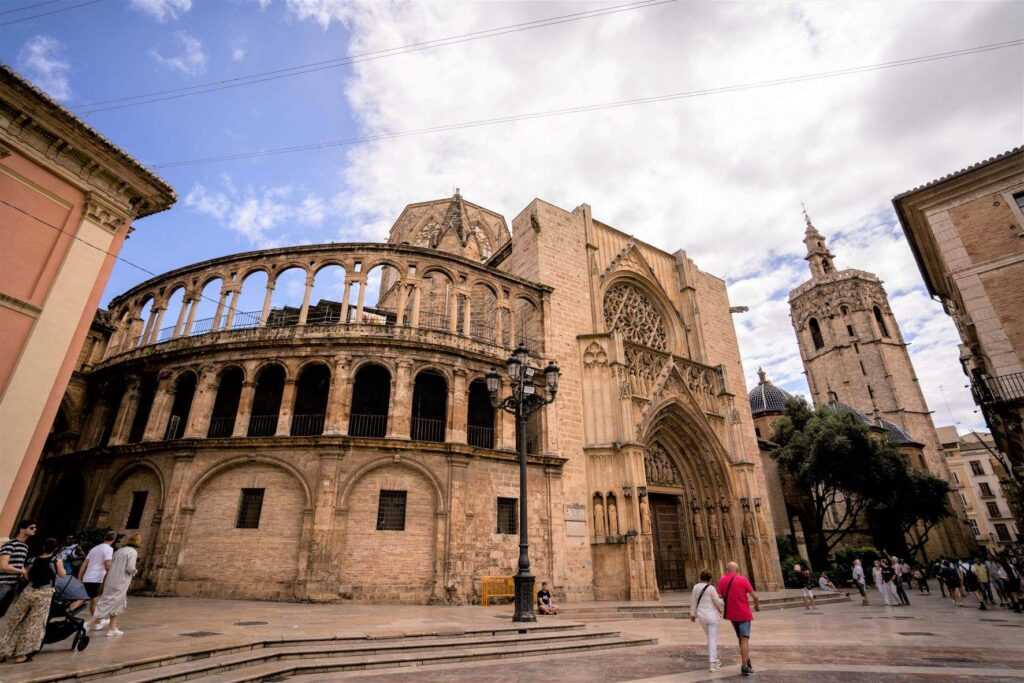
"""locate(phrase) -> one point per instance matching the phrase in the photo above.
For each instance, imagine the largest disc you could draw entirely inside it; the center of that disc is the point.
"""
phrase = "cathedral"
(856, 362)
(346, 448)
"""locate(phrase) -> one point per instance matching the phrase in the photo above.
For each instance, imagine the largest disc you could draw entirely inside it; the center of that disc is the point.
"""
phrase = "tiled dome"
(896, 433)
(766, 398)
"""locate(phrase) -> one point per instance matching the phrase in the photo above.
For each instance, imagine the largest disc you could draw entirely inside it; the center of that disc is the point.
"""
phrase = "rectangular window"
(138, 507)
(986, 490)
(249, 509)
(1019, 198)
(1002, 532)
(391, 511)
(993, 509)
(976, 467)
(507, 516)
(956, 478)
(974, 527)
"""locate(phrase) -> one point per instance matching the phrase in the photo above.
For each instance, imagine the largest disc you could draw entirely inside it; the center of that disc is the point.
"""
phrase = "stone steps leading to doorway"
(679, 610)
(274, 660)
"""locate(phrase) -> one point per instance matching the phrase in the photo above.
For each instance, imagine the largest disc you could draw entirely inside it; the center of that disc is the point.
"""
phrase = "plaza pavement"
(931, 641)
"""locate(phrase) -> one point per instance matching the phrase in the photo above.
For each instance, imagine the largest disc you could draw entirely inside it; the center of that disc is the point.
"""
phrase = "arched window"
(147, 392)
(429, 406)
(225, 405)
(184, 390)
(630, 312)
(371, 394)
(266, 401)
(311, 400)
(819, 342)
(481, 416)
(881, 322)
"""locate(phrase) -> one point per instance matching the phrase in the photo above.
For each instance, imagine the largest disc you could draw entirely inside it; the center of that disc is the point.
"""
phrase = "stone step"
(400, 647)
(201, 654)
(678, 611)
(282, 670)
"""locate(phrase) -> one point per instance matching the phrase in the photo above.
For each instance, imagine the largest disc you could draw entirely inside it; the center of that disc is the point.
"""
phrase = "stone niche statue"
(599, 520)
(613, 515)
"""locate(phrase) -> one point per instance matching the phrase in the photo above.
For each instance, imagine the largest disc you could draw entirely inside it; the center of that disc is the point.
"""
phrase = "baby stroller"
(62, 622)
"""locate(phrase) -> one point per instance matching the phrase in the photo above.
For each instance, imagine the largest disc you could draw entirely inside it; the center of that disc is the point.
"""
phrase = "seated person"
(826, 585)
(545, 605)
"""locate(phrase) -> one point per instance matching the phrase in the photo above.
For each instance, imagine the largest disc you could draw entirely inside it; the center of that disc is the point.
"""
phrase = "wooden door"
(668, 543)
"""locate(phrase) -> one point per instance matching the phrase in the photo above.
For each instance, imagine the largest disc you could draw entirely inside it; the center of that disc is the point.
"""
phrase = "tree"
(841, 470)
(918, 502)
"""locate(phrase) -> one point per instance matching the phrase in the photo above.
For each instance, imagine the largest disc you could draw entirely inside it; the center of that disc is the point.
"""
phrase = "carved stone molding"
(103, 213)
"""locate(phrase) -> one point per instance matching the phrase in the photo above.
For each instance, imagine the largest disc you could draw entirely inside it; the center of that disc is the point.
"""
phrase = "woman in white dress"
(706, 609)
(114, 599)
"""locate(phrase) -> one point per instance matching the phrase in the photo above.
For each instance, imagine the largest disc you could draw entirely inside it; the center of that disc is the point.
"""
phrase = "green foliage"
(87, 538)
(788, 556)
(842, 571)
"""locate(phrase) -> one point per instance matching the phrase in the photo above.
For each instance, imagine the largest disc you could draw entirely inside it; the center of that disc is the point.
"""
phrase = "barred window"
(993, 509)
(249, 509)
(976, 467)
(1019, 198)
(507, 516)
(138, 507)
(974, 527)
(391, 511)
(1003, 532)
(986, 490)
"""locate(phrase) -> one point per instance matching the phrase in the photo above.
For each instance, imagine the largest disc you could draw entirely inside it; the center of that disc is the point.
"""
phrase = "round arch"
(111, 486)
(265, 363)
(358, 365)
(385, 461)
(656, 296)
(213, 471)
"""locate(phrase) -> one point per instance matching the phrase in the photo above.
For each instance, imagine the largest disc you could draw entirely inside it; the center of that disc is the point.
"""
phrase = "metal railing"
(368, 425)
(481, 437)
(1001, 389)
(175, 428)
(307, 425)
(263, 425)
(221, 427)
(427, 429)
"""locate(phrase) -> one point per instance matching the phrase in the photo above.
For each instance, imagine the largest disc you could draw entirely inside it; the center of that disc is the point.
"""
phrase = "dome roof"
(895, 433)
(766, 398)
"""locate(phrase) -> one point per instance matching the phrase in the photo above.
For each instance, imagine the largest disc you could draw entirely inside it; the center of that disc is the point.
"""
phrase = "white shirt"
(711, 606)
(97, 559)
(858, 573)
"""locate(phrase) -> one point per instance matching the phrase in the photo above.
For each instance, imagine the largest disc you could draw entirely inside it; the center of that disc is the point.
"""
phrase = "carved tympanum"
(660, 469)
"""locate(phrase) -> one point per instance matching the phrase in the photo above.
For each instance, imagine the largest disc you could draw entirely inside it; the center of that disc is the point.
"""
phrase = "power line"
(511, 118)
(35, 5)
(313, 67)
(46, 14)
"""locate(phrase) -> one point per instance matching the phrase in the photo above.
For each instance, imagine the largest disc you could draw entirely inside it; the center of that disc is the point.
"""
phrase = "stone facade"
(854, 356)
(967, 233)
(345, 449)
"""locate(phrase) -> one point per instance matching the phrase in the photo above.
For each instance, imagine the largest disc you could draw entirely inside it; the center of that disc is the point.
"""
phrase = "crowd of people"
(29, 580)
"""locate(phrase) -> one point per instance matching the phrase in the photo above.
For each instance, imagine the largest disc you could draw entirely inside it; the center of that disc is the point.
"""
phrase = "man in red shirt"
(734, 589)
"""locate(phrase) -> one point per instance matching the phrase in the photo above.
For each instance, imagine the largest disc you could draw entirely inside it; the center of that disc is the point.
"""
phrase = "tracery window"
(631, 312)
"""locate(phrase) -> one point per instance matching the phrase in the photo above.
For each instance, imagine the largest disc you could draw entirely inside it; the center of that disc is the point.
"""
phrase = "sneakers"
(746, 670)
(715, 666)
(100, 625)
(115, 633)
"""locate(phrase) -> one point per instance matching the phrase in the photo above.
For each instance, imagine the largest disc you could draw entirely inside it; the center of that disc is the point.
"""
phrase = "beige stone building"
(347, 447)
(976, 474)
(855, 359)
(67, 201)
(967, 233)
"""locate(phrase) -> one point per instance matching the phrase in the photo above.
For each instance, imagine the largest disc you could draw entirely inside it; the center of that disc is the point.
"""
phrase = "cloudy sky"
(720, 175)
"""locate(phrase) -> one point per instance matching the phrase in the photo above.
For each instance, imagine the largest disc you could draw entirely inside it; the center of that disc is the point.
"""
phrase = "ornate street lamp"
(523, 401)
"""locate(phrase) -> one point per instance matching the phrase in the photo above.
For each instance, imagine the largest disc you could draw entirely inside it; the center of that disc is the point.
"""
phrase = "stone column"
(194, 306)
(222, 301)
(244, 408)
(284, 413)
(416, 298)
(458, 582)
(403, 299)
(158, 320)
(179, 324)
(232, 309)
(173, 525)
(304, 311)
(467, 315)
(362, 299)
(147, 331)
(202, 404)
(162, 401)
(498, 329)
(267, 297)
(453, 312)
(400, 411)
(339, 399)
(458, 420)
(322, 572)
(126, 413)
(346, 292)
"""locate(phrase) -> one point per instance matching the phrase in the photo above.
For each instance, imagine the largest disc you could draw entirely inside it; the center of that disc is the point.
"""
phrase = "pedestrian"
(114, 600)
(951, 578)
(706, 609)
(937, 572)
(734, 588)
(888, 586)
(806, 585)
(13, 556)
(95, 568)
(901, 593)
(70, 555)
(971, 584)
(984, 580)
(1012, 584)
(922, 580)
(860, 581)
(22, 628)
(998, 577)
(883, 589)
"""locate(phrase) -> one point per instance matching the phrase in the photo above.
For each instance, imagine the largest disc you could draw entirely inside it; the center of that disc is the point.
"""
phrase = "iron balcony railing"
(175, 428)
(427, 429)
(481, 437)
(307, 425)
(1001, 389)
(368, 425)
(221, 427)
(263, 425)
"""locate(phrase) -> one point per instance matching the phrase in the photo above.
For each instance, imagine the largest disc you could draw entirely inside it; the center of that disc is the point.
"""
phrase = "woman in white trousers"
(706, 609)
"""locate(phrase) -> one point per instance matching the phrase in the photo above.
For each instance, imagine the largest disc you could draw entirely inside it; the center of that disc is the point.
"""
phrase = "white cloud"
(721, 177)
(162, 10)
(191, 60)
(259, 214)
(238, 54)
(42, 60)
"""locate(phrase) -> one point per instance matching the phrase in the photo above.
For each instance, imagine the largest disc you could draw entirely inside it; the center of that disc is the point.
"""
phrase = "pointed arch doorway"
(665, 500)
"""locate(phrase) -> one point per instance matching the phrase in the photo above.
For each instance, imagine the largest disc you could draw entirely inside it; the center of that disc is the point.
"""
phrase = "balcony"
(1002, 389)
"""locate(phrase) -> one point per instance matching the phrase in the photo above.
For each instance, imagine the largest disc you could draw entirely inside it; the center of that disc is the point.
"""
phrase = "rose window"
(630, 312)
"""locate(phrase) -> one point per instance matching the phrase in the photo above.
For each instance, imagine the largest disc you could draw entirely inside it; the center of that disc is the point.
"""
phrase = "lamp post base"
(524, 598)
